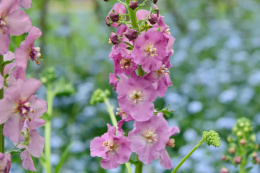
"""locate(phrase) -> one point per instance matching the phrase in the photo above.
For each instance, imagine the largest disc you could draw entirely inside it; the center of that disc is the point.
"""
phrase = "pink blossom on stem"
(13, 21)
(114, 149)
(150, 50)
(20, 104)
(5, 162)
(136, 96)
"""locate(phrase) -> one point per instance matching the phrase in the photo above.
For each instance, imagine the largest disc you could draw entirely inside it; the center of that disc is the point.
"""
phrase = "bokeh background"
(216, 76)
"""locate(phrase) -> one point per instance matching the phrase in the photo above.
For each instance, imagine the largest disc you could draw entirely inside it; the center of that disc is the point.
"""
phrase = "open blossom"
(136, 96)
(18, 105)
(114, 149)
(5, 162)
(150, 50)
(13, 21)
(149, 138)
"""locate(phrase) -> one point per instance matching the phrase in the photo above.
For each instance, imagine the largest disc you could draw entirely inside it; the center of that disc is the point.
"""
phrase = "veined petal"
(6, 110)
(27, 161)
(29, 87)
(36, 144)
(13, 128)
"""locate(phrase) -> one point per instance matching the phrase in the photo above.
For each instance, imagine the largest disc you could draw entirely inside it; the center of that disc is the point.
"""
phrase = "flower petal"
(13, 128)
(27, 161)
(6, 109)
(29, 87)
(36, 144)
(4, 42)
(38, 105)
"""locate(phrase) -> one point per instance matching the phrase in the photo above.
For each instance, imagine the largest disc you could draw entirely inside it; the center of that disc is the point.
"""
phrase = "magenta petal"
(174, 130)
(1, 82)
(7, 5)
(4, 42)
(111, 162)
(13, 128)
(6, 110)
(27, 161)
(36, 144)
(29, 87)
(38, 105)
(21, 56)
(34, 33)
(165, 159)
(18, 22)
(25, 3)
(97, 148)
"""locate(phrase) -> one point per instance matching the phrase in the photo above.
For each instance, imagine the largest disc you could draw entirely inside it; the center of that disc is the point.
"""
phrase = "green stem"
(47, 133)
(114, 122)
(188, 155)
(140, 71)
(2, 138)
(138, 166)
(14, 147)
(133, 17)
(243, 163)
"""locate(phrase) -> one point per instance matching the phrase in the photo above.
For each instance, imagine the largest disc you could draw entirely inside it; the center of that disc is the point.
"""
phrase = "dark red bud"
(224, 158)
(106, 0)
(237, 159)
(155, 1)
(153, 18)
(114, 16)
(224, 170)
(133, 5)
(114, 38)
(108, 21)
(131, 34)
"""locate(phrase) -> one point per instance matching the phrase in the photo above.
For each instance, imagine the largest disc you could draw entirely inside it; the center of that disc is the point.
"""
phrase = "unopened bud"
(224, 170)
(170, 143)
(237, 159)
(231, 150)
(133, 5)
(255, 155)
(114, 16)
(253, 138)
(211, 138)
(239, 133)
(131, 34)
(229, 139)
(224, 158)
(153, 18)
(106, 0)
(155, 1)
(242, 142)
(114, 38)
(108, 21)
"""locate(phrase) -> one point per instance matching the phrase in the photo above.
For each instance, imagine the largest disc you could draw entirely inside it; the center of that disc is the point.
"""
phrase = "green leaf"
(166, 111)
(7, 62)
(17, 151)
(63, 158)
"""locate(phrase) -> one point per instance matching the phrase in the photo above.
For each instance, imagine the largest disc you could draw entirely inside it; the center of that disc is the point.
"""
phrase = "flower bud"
(5, 162)
(108, 21)
(170, 143)
(106, 0)
(231, 150)
(253, 138)
(133, 5)
(255, 155)
(153, 18)
(239, 133)
(114, 16)
(211, 138)
(114, 38)
(155, 1)
(242, 142)
(131, 34)
(224, 170)
(224, 158)
(237, 159)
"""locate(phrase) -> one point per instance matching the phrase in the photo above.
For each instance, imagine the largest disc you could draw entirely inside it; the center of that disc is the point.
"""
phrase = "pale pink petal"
(25, 3)
(21, 56)
(8, 57)
(165, 159)
(4, 42)
(35, 123)
(38, 105)
(18, 22)
(1, 82)
(27, 161)
(174, 130)
(7, 5)
(110, 162)
(36, 144)
(13, 128)
(13, 93)
(6, 110)
(97, 148)
(34, 33)
(29, 87)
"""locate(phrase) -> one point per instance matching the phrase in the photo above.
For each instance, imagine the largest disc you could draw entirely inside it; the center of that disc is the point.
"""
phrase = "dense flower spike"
(13, 21)
(5, 162)
(114, 149)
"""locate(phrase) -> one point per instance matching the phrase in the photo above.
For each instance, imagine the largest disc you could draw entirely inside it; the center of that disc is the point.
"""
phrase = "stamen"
(136, 96)
(150, 137)
(151, 51)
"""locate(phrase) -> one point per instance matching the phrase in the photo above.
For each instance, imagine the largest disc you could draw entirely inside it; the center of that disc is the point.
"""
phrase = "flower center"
(2, 24)
(151, 51)
(136, 96)
(35, 55)
(120, 112)
(109, 145)
(125, 63)
(163, 71)
(150, 137)
(24, 109)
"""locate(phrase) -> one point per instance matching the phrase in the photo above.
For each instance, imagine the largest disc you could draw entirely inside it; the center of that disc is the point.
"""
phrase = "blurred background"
(216, 76)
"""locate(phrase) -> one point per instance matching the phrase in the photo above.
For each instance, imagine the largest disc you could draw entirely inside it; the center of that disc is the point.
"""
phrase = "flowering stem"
(243, 163)
(133, 17)
(2, 138)
(114, 122)
(138, 166)
(188, 155)
(47, 132)
(140, 5)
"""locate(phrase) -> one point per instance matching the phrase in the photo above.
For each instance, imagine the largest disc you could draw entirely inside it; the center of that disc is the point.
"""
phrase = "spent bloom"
(20, 104)
(5, 162)
(136, 96)
(13, 21)
(114, 149)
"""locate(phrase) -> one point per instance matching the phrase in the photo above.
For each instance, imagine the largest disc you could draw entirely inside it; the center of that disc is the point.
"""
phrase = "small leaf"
(7, 62)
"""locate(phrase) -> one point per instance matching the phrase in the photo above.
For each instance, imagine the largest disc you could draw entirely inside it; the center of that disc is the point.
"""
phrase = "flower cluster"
(20, 108)
(140, 54)
(242, 145)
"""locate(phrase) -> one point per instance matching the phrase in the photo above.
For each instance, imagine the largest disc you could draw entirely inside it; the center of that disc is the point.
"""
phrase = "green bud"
(212, 138)
(239, 133)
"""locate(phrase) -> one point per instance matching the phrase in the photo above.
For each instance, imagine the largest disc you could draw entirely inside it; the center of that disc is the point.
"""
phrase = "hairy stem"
(188, 155)
(2, 138)
(114, 122)
(47, 132)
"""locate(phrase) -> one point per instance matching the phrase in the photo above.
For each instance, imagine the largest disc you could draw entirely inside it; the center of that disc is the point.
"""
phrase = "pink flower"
(27, 50)
(149, 138)
(136, 96)
(5, 162)
(13, 21)
(150, 50)
(18, 105)
(114, 149)
(125, 117)
(113, 80)
(33, 144)
(119, 9)
(25, 3)
(161, 79)
(142, 14)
